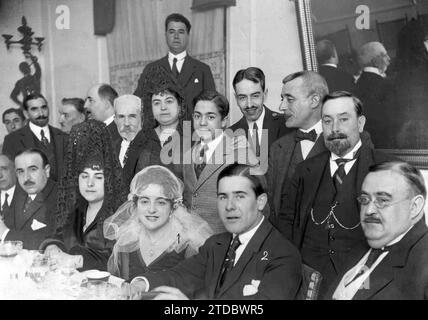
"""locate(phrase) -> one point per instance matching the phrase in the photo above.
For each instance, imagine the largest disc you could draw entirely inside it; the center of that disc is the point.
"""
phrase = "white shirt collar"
(245, 237)
(317, 127)
(374, 70)
(109, 120)
(36, 130)
(259, 121)
(179, 56)
(349, 155)
(330, 65)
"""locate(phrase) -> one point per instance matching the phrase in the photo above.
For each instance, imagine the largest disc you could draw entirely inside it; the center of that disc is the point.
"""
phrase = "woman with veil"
(89, 191)
(153, 230)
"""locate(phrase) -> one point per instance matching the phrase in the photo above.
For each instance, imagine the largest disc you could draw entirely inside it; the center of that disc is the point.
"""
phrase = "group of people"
(193, 209)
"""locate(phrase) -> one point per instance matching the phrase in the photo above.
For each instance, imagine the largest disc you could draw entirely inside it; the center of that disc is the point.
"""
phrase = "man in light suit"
(38, 134)
(213, 152)
(321, 215)
(250, 261)
(302, 94)
(392, 216)
(250, 94)
(31, 218)
(191, 74)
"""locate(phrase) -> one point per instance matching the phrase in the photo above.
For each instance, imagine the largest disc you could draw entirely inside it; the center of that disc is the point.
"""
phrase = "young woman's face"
(165, 107)
(153, 207)
(91, 185)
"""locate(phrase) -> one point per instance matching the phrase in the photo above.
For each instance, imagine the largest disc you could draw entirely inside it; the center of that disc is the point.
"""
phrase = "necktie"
(256, 139)
(311, 135)
(167, 141)
(44, 139)
(340, 173)
(174, 68)
(5, 203)
(373, 256)
(202, 161)
(229, 261)
(123, 153)
(27, 203)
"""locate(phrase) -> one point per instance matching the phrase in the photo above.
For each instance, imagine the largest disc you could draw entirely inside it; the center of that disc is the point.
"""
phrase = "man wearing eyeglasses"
(392, 217)
(38, 134)
(321, 215)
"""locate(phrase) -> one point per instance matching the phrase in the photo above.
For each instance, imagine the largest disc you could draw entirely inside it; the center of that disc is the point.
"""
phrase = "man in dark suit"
(251, 260)
(302, 95)
(191, 74)
(337, 79)
(250, 94)
(99, 105)
(128, 118)
(392, 217)
(321, 214)
(38, 134)
(31, 214)
(376, 93)
(7, 184)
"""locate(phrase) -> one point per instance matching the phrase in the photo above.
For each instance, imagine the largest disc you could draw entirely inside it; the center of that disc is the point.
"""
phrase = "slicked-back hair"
(45, 160)
(325, 50)
(106, 92)
(78, 103)
(33, 96)
(258, 182)
(18, 112)
(358, 105)
(253, 74)
(313, 82)
(413, 176)
(176, 17)
(218, 99)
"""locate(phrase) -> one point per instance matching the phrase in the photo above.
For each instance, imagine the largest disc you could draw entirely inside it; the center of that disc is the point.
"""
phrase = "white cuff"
(139, 278)
(3, 236)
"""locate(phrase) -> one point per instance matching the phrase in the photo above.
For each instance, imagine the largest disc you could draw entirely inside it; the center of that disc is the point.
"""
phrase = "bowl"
(96, 275)
(10, 249)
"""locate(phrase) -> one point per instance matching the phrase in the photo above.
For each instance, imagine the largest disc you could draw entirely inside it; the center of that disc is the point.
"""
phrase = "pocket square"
(251, 289)
(196, 80)
(36, 225)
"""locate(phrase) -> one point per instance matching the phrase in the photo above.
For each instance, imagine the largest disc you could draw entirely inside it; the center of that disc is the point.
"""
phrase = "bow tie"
(311, 135)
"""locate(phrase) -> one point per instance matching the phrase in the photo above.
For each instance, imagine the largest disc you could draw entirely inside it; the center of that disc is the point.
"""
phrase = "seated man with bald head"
(392, 216)
(376, 92)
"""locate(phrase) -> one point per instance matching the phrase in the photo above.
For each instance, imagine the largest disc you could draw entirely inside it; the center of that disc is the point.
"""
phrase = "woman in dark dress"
(90, 191)
(153, 230)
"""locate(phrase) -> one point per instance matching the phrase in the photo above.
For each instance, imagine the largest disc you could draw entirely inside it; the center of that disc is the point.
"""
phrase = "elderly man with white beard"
(321, 216)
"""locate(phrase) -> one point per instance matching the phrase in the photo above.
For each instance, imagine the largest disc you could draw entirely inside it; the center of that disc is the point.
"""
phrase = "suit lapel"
(186, 71)
(219, 254)
(318, 147)
(27, 137)
(58, 139)
(165, 64)
(365, 160)
(287, 147)
(268, 123)
(251, 249)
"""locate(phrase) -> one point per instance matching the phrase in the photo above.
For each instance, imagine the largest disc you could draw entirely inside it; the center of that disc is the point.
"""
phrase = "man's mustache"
(41, 118)
(337, 136)
(29, 183)
(372, 220)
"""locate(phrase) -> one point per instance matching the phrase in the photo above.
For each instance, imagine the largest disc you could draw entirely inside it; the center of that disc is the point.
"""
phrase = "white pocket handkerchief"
(196, 80)
(36, 225)
(251, 289)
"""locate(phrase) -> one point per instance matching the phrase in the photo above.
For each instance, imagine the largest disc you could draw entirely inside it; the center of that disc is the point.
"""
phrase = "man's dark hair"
(33, 96)
(325, 50)
(253, 74)
(78, 103)
(218, 99)
(345, 94)
(176, 17)
(413, 176)
(45, 160)
(106, 92)
(8, 156)
(258, 182)
(18, 112)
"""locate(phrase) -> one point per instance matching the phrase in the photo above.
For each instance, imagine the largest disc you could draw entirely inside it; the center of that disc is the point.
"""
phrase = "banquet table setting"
(31, 275)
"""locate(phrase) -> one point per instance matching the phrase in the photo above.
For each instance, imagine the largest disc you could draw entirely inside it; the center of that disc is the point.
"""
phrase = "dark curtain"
(104, 13)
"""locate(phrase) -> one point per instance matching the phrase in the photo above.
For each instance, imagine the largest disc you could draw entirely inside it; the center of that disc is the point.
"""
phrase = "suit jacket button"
(331, 251)
(195, 194)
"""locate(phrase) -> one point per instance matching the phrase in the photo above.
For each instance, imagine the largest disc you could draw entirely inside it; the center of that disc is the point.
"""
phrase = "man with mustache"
(30, 217)
(321, 214)
(71, 112)
(99, 106)
(250, 94)
(128, 118)
(38, 134)
(392, 216)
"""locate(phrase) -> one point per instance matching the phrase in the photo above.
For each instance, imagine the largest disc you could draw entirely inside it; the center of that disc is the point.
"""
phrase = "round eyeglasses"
(380, 203)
